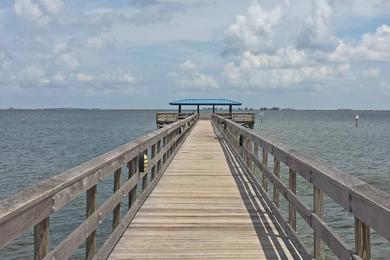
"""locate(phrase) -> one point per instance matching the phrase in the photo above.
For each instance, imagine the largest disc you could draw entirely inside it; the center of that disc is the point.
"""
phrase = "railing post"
(133, 169)
(292, 184)
(318, 204)
(255, 155)
(117, 210)
(249, 148)
(277, 174)
(41, 239)
(152, 155)
(362, 239)
(90, 245)
(265, 163)
(145, 170)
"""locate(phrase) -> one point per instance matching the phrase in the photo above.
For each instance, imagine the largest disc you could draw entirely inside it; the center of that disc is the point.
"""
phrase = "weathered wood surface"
(201, 209)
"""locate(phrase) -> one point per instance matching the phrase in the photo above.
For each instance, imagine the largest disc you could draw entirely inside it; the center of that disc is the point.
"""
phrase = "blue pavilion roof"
(206, 102)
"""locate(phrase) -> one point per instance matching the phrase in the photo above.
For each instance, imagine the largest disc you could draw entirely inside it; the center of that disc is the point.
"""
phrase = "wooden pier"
(206, 192)
(202, 209)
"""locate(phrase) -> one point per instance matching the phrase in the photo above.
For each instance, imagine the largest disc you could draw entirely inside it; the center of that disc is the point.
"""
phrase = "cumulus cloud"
(317, 32)
(27, 9)
(120, 77)
(97, 42)
(60, 47)
(5, 59)
(372, 46)
(371, 72)
(68, 60)
(84, 77)
(52, 6)
(282, 78)
(32, 76)
(189, 77)
(280, 64)
(313, 54)
(34, 71)
(254, 30)
(386, 87)
(40, 12)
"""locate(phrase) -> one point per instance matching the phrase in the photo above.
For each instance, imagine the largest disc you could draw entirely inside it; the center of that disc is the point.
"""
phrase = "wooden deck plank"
(197, 210)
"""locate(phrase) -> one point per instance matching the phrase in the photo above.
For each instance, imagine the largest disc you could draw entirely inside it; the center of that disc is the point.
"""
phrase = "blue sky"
(307, 54)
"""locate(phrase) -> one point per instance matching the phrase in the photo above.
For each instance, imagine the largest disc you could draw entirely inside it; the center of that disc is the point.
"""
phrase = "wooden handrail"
(33, 206)
(369, 205)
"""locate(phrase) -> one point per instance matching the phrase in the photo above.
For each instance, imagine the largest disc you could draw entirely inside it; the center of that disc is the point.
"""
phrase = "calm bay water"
(37, 144)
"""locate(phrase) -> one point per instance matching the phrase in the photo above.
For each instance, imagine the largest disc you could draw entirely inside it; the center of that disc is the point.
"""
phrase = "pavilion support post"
(213, 109)
(197, 109)
(179, 109)
(230, 109)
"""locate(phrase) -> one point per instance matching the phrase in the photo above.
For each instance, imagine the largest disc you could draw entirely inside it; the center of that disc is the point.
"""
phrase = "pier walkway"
(202, 209)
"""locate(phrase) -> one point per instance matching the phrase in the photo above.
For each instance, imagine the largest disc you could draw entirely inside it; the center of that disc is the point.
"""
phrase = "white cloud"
(281, 63)
(32, 76)
(311, 55)
(27, 9)
(41, 12)
(190, 77)
(69, 60)
(84, 77)
(34, 71)
(58, 78)
(317, 33)
(282, 78)
(121, 77)
(372, 46)
(95, 42)
(5, 59)
(371, 72)
(386, 87)
(44, 81)
(254, 30)
(60, 47)
(52, 6)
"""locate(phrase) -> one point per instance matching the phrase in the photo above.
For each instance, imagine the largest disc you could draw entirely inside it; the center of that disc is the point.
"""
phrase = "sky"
(124, 54)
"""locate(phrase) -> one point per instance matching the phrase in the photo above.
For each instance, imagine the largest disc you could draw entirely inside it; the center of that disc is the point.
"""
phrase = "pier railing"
(33, 207)
(165, 118)
(369, 206)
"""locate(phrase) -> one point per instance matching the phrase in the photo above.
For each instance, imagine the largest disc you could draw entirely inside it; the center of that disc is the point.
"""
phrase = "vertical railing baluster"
(255, 157)
(265, 163)
(153, 155)
(41, 239)
(117, 210)
(318, 205)
(249, 148)
(90, 246)
(362, 239)
(277, 174)
(292, 184)
(133, 169)
(145, 170)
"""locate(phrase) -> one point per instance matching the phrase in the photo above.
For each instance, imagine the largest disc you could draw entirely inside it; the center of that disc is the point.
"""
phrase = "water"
(35, 145)
(331, 136)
